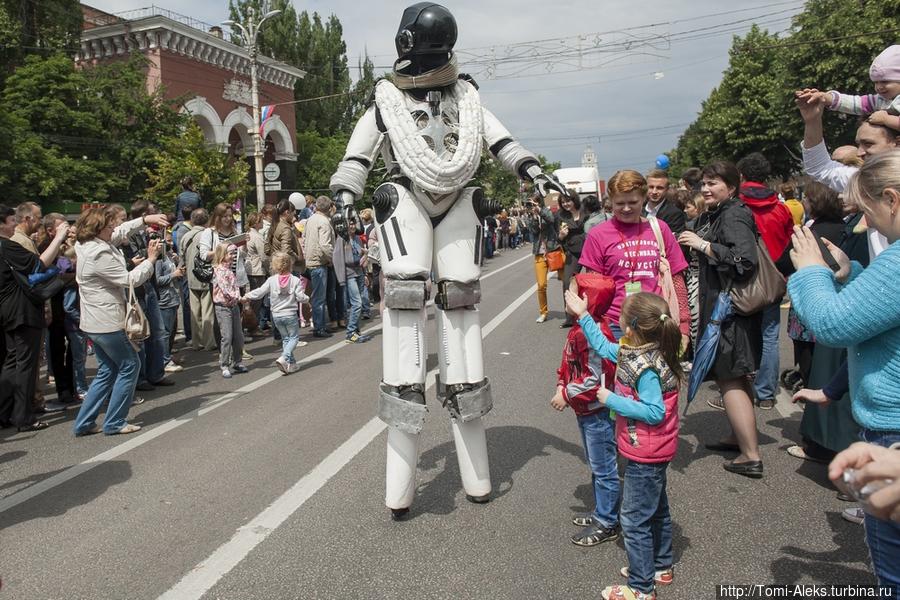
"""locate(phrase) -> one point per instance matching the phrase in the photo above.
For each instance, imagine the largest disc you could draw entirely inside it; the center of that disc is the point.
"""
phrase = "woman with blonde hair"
(857, 309)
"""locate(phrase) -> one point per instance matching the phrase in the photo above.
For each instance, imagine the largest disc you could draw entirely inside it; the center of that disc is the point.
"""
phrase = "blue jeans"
(353, 299)
(78, 344)
(646, 523)
(153, 350)
(883, 537)
(169, 321)
(289, 328)
(116, 378)
(766, 384)
(185, 307)
(366, 302)
(598, 436)
(319, 281)
(337, 310)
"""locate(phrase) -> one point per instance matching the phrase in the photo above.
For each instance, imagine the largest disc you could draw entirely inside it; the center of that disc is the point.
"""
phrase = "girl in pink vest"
(645, 401)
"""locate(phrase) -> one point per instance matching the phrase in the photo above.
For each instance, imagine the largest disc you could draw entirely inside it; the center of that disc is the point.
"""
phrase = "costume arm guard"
(511, 154)
(362, 149)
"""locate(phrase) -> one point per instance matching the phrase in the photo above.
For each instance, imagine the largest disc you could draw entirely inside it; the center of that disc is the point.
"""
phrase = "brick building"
(191, 59)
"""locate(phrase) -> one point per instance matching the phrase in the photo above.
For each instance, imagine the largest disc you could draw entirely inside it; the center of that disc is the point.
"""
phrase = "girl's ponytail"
(648, 316)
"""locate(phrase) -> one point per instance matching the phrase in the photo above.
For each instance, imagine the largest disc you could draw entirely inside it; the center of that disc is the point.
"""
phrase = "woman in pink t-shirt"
(625, 248)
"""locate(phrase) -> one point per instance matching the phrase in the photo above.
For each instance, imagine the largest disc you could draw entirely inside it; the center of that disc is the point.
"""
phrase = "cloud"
(629, 113)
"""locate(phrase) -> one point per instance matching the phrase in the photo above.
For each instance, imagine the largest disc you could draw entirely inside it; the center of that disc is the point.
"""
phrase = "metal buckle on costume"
(453, 294)
(466, 401)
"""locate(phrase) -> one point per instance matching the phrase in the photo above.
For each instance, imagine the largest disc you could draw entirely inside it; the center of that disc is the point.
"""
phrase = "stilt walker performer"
(430, 127)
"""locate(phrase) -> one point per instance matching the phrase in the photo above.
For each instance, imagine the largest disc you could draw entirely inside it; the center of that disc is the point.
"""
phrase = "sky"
(624, 77)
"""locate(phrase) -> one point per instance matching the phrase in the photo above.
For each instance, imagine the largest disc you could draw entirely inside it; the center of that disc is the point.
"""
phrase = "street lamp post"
(248, 36)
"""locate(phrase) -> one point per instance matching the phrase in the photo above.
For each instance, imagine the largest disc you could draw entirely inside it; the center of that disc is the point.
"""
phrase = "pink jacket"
(225, 290)
(636, 440)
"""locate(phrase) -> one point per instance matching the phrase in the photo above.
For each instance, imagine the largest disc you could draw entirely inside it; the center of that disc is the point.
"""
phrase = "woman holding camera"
(102, 276)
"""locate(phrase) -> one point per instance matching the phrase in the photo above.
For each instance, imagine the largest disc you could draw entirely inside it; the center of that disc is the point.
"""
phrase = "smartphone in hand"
(826, 254)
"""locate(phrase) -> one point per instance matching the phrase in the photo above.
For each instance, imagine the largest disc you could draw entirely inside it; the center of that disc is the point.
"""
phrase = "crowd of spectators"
(832, 233)
(193, 273)
(67, 291)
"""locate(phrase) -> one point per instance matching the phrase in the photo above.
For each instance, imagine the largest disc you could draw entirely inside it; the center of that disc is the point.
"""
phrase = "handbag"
(665, 273)
(39, 286)
(137, 328)
(556, 260)
(202, 268)
(764, 288)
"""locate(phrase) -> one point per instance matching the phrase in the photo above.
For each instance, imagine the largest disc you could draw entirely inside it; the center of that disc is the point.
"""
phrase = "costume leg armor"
(405, 237)
(462, 387)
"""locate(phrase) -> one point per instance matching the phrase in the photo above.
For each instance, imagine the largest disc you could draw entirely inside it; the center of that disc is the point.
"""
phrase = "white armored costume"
(430, 129)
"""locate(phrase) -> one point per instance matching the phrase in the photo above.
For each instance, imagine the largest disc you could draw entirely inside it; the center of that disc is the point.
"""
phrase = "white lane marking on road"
(151, 434)
(206, 574)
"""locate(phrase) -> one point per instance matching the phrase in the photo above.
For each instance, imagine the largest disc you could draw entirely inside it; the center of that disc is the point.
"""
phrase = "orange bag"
(556, 260)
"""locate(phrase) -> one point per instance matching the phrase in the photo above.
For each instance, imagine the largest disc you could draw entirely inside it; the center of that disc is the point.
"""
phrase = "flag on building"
(265, 114)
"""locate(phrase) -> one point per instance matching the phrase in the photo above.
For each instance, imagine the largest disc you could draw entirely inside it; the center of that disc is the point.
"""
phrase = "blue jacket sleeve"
(597, 340)
(71, 305)
(649, 406)
(844, 316)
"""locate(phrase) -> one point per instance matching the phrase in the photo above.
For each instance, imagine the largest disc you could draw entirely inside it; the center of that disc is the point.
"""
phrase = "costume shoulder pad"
(468, 79)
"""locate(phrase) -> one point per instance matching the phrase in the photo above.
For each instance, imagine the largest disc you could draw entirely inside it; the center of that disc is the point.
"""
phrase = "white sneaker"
(293, 368)
(301, 344)
(854, 514)
(173, 367)
(541, 319)
(282, 364)
(226, 373)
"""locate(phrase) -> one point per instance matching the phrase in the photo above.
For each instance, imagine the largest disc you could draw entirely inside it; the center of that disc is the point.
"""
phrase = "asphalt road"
(266, 486)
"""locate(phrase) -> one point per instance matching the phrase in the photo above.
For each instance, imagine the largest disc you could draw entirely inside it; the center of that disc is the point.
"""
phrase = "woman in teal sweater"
(859, 310)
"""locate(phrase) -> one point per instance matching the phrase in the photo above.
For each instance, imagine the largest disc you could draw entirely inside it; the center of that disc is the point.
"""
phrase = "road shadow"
(76, 492)
(156, 413)
(510, 449)
(796, 564)
(9, 456)
(708, 426)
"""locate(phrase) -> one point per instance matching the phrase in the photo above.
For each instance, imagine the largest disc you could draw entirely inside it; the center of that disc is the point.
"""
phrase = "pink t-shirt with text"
(629, 252)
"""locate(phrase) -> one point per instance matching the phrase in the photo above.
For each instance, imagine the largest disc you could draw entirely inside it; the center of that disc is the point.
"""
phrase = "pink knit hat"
(886, 66)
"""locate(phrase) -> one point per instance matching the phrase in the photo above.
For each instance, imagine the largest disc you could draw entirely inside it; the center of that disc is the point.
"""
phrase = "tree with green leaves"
(80, 135)
(315, 45)
(830, 46)
(37, 27)
(217, 176)
(498, 183)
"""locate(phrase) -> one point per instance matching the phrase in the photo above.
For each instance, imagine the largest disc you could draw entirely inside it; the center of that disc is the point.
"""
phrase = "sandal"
(664, 577)
(624, 592)
(36, 426)
(126, 430)
(583, 520)
(594, 535)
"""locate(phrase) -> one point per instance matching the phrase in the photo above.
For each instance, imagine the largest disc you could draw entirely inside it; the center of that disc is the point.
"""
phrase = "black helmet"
(426, 29)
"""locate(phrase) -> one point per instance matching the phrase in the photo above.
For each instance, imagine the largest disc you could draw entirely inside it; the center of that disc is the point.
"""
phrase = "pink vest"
(639, 441)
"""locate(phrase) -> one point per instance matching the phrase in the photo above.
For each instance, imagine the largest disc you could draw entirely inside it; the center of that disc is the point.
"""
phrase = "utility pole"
(248, 36)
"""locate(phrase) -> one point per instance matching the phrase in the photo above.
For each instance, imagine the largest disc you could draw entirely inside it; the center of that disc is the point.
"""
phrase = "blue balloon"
(662, 161)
